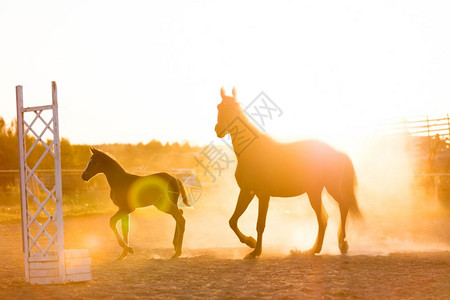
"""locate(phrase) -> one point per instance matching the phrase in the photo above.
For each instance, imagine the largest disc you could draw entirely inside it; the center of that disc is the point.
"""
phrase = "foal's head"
(95, 165)
(228, 111)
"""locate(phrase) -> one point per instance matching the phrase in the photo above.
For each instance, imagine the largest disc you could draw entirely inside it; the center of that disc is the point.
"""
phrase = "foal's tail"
(183, 193)
(348, 185)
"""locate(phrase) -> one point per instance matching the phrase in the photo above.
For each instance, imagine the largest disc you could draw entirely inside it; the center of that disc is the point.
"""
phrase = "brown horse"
(129, 191)
(267, 169)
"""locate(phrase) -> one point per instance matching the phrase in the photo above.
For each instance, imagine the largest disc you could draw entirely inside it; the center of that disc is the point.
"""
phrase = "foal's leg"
(261, 225)
(125, 230)
(322, 218)
(179, 231)
(243, 201)
(113, 224)
(175, 238)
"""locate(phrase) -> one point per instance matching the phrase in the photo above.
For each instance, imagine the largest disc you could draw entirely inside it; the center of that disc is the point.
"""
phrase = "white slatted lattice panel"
(41, 194)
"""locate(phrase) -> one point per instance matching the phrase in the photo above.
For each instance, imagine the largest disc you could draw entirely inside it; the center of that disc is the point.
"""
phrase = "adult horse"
(129, 191)
(266, 168)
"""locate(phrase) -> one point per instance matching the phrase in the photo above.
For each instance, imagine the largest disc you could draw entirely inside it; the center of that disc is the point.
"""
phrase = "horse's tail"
(182, 190)
(348, 186)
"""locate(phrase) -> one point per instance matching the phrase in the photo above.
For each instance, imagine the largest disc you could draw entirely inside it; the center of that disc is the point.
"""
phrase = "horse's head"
(228, 111)
(94, 165)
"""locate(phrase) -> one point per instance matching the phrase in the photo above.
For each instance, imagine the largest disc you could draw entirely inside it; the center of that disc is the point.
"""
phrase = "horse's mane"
(109, 158)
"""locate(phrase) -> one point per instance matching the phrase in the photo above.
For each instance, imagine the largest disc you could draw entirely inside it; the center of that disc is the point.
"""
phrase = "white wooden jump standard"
(48, 263)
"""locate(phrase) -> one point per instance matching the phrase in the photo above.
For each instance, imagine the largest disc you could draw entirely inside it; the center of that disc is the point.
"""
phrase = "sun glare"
(91, 241)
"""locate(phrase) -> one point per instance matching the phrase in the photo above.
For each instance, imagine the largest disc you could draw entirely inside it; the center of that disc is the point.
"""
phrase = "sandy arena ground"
(220, 272)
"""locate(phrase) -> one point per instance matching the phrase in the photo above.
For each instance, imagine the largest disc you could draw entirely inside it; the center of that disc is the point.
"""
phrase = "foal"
(129, 191)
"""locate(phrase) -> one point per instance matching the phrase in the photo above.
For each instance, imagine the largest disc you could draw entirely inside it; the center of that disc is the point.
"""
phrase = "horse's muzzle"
(220, 132)
(85, 177)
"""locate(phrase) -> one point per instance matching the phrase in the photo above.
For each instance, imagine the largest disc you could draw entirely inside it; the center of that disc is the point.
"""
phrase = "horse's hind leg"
(179, 231)
(175, 238)
(343, 208)
(176, 235)
(322, 219)
(343, 245)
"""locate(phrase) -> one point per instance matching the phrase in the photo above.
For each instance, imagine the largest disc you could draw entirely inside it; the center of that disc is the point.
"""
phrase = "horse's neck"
(114, 173)
(243, 135)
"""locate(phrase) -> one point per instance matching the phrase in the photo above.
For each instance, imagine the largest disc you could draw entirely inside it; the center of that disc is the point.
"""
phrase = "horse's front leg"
(244, 200)
(125, 230)
(261, 225)
(113, 224)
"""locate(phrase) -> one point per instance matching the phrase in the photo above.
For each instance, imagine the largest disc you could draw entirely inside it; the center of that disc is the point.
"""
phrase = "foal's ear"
(234, 93)
(222, 93)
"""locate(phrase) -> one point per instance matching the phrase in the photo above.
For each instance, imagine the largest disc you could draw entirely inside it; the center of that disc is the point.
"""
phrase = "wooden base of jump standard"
(45, 270)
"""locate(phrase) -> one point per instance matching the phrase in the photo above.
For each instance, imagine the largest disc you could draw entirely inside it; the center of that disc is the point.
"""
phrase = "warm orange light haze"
(131, 72)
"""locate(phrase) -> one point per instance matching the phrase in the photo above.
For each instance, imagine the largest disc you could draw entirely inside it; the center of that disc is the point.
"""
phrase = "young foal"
(129, 192)
(267, 169)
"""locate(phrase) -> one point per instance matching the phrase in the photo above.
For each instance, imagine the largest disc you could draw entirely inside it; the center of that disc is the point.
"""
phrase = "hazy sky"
(133, 71)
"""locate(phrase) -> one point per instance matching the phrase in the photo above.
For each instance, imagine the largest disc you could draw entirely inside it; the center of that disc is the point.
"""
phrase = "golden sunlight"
(225, 149)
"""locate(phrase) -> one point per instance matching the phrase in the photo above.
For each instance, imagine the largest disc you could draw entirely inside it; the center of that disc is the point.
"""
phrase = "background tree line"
(151, 156)
(81, 197)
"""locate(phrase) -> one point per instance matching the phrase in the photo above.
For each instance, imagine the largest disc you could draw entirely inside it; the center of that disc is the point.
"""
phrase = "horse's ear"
(93, 150)
(222, 93)
(234, 93)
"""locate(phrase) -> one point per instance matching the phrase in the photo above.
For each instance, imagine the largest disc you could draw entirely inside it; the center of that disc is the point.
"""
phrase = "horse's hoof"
(295, 252)
(311, 251)
(250, 241)
(122, 256)
(252, 255)
(130, 250)
(343, 247)
(176, 255)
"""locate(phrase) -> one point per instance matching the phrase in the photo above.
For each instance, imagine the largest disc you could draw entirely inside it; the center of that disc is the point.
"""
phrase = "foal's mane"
(108, 158)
